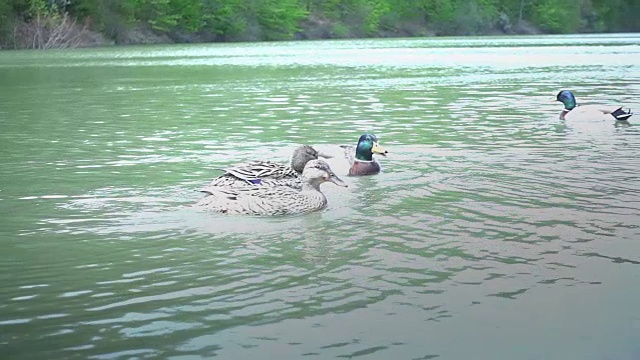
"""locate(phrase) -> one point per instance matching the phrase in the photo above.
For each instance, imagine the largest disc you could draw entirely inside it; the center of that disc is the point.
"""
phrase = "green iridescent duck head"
(566, 97)
(367, 146)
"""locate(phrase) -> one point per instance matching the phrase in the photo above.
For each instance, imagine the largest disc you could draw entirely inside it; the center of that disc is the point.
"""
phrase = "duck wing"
(257, 200)
(257, 170)
(257, 173)
(349, 153)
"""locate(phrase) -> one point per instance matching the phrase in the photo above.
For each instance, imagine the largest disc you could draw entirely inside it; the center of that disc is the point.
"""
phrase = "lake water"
(496, 230)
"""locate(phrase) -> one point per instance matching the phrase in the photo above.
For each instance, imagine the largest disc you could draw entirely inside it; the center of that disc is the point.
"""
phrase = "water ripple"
(488, 208)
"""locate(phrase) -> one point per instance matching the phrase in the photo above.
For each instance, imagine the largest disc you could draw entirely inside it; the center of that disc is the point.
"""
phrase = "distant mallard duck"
(360, 157)
(266, 172)
(589, 112)
(274, 200)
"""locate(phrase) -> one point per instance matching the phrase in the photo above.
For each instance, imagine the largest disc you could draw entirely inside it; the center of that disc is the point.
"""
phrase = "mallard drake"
(266, 172)
(360, 157)
(589, 112)
(274, 200)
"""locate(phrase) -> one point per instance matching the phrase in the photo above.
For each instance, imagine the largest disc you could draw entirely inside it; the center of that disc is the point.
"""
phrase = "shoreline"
(81, 36)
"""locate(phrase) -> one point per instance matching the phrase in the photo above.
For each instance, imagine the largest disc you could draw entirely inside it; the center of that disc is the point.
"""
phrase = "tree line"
(24, 23)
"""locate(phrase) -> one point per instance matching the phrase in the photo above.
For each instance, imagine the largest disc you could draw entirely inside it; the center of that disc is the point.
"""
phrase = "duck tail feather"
(622, 114)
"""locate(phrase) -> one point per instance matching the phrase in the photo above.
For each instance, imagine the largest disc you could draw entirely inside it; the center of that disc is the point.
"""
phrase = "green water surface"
(495, 231)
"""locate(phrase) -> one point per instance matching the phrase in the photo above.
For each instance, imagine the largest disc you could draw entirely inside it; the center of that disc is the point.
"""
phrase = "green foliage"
(112, 18)
(473, 18)
(224, 18)
(557, 16)
(628, 18)
(5, 12)
(463, 17)
(440, 11)
(340, 30)
(6, 19)
(331, 9)
(377, 9)
(614, 15)
(157, 13)
(279, 19)
(230, 20)
(353, 17)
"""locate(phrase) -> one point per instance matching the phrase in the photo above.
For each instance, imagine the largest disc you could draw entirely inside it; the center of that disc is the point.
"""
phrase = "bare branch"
(51, 31)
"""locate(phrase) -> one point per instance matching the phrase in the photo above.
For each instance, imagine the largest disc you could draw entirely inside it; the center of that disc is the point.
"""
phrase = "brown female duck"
(274, 200)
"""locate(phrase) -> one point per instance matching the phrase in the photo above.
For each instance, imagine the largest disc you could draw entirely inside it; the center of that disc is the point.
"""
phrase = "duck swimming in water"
(361, 158)
(268, 173)
(572, 111)
(274, 200)
(358, 159)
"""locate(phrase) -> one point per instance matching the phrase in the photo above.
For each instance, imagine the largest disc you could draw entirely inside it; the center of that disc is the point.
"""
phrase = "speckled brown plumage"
(267, 173)
(273, 200)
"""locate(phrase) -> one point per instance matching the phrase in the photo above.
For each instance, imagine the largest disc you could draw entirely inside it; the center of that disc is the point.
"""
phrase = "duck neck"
(363, 152)
(563, 114)
(311, 185)
(569, 103)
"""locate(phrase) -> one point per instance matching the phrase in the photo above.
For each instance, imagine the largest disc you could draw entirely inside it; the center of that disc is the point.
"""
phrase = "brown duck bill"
(377, 149)
(336, 180)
